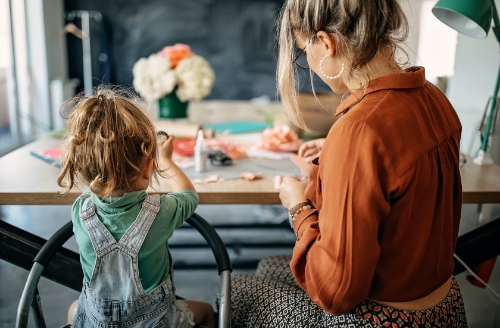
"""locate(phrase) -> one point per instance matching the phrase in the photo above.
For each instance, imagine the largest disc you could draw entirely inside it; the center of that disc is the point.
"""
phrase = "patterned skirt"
(272, 298)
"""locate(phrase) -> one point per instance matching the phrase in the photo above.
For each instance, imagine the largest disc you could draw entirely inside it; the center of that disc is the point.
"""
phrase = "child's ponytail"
(109, 140)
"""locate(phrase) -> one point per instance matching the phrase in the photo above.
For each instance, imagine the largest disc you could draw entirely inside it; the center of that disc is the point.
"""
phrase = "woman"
(378, 220)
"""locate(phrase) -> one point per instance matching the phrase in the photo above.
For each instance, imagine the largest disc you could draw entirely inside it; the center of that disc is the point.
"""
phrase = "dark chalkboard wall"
(237, 37)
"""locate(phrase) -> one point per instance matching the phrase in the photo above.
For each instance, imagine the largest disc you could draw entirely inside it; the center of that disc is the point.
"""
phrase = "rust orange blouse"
(388, 195)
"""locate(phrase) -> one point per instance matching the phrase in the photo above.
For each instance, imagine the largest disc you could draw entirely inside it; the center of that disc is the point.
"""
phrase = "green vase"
(171, 106)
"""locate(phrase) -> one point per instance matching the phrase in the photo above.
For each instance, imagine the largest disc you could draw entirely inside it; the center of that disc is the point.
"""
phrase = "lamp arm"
(496, 20)
(491, 114)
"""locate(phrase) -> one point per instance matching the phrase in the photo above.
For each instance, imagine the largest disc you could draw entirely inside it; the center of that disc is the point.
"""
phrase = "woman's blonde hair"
(109, 140)
(361, 29)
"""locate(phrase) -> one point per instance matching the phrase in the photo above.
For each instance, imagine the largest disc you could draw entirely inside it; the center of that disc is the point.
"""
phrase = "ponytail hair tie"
(101, 97)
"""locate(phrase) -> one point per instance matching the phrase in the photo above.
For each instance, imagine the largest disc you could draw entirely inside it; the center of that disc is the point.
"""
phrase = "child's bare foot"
(204, 314)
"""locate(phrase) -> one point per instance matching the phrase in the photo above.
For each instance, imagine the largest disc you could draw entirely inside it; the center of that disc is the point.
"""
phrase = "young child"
(121, 231)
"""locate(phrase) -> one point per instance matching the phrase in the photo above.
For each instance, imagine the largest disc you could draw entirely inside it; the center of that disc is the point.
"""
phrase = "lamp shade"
(469, 17)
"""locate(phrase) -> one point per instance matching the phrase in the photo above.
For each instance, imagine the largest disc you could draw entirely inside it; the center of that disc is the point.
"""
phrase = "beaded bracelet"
(293, 215)
(296, 207)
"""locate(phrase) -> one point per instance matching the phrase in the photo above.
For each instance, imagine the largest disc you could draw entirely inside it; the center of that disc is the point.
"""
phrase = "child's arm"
(165, 150)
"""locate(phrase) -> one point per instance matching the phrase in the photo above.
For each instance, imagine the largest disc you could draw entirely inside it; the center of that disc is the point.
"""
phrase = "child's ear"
(147, 169)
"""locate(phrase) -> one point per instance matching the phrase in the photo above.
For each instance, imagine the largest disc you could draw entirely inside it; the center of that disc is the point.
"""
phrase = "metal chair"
(31, 298)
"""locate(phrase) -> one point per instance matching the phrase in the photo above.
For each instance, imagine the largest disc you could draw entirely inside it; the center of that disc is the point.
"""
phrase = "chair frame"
(30, 297)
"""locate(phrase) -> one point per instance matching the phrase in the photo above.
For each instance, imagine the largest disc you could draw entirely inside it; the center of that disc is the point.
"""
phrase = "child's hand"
(165, 152)
(165, 149)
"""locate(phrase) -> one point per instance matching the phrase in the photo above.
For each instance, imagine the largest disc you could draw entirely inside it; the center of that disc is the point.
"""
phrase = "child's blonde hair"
(109, 140)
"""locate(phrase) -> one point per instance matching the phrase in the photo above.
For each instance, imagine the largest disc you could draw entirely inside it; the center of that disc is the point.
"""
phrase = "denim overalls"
(114, 297)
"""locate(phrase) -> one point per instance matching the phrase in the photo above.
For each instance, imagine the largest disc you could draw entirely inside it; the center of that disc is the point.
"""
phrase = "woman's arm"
(337, 250)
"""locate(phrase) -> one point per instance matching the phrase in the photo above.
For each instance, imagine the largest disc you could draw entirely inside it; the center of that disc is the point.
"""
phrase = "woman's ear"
(147, 169)
(329, 43)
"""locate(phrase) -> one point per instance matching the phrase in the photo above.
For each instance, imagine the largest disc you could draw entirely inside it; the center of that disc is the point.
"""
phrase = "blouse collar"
(413, 77)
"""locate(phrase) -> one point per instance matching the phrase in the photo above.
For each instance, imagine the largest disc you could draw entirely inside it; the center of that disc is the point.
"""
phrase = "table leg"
(479, 214)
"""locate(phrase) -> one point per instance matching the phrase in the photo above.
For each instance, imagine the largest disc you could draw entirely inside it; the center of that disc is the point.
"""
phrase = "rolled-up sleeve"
(336, 252)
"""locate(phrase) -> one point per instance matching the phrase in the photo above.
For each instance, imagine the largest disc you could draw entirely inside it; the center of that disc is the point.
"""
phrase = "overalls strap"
(136, 233)
(100, 237)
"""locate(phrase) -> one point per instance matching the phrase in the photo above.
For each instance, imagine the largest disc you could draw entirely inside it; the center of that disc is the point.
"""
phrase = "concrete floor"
(483, 310)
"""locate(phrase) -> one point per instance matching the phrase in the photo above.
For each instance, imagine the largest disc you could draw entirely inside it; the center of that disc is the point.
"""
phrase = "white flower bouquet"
(173, 68)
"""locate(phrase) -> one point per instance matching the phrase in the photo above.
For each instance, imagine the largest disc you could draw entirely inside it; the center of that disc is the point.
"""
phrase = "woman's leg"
(277, 268)
(449, 313)
(272, 298)
(258, 301)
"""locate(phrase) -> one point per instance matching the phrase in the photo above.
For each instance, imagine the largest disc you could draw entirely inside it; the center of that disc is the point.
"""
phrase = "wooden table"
(480, 183)
(27, 180)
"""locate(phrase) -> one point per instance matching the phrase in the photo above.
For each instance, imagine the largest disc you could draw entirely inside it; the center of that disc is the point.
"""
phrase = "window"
(16, 127)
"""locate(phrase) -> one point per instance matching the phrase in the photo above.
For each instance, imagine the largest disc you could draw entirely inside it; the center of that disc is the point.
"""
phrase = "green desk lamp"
(473, 18)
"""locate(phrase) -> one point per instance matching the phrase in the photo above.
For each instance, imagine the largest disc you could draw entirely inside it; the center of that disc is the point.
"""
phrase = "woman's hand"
(292, 191)
(311, 149)
(165, 151)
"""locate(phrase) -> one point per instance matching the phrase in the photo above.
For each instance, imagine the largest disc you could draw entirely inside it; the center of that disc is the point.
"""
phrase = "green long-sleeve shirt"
(118, 213)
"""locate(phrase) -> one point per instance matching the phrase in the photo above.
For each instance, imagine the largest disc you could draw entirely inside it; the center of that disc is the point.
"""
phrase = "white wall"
(477, 63)
(412, 9)
(437, 44)
(430, 43)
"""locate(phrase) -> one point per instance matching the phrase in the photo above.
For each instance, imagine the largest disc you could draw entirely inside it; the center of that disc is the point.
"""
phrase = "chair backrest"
(55, 243)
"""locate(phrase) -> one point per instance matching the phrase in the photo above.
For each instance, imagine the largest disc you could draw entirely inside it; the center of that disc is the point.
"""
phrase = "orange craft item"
(280, 138)
(250, 176)
(211, 178)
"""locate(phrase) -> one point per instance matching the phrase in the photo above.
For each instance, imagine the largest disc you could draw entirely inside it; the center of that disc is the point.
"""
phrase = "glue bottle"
(200, 153)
